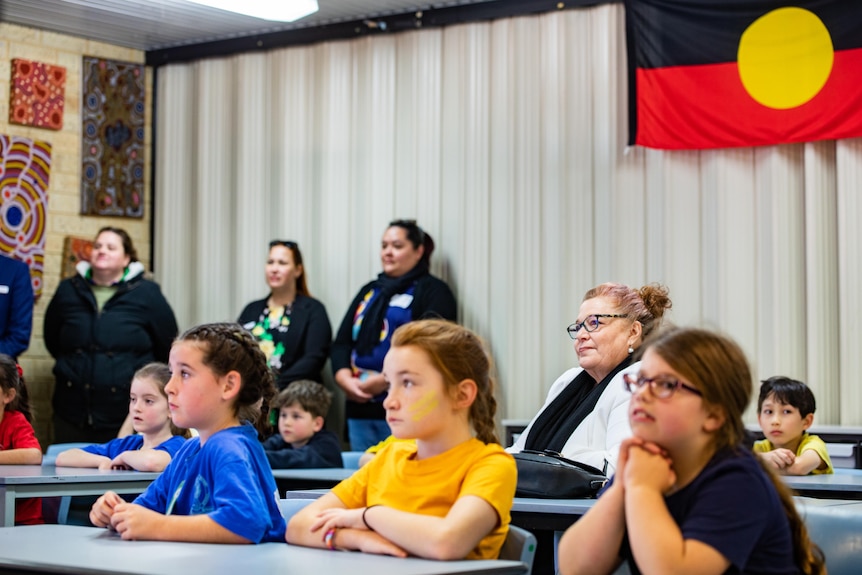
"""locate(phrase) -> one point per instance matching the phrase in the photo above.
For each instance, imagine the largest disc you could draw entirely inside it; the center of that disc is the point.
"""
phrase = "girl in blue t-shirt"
(687, 496)
(219, 487)
(156, 440)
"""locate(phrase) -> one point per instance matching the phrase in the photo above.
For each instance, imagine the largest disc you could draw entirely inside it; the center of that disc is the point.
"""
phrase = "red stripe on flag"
(686, 107)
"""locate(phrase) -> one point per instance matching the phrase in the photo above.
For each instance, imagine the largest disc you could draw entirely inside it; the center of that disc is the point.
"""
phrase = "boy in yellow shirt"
(785, 410)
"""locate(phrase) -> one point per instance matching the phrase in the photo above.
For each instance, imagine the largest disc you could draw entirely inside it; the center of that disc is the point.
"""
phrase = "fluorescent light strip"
(279, 10)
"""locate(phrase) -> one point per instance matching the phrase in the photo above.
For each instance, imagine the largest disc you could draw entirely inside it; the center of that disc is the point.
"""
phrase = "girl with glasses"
(688, 496)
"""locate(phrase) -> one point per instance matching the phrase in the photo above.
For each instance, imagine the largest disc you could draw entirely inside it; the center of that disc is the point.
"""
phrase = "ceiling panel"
(158, 24)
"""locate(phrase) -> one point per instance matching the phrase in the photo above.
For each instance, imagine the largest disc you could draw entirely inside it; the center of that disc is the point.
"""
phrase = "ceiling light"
(282, 10)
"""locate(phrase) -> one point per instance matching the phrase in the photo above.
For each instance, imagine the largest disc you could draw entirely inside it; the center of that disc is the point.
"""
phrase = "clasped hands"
(779, 458)
(129, 520)
(645, 464)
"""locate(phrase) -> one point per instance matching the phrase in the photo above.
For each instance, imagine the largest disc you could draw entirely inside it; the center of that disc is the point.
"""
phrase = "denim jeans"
(363, 433)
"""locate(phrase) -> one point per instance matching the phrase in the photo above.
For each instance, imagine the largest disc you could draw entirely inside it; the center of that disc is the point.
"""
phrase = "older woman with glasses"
(404, 291)
(585, 414)
(291, 326)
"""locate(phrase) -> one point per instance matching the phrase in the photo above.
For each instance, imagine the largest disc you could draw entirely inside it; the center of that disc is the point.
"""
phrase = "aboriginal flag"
(727, 73)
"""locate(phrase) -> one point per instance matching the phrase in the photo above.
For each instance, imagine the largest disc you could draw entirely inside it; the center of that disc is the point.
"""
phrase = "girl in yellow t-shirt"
(449, 494)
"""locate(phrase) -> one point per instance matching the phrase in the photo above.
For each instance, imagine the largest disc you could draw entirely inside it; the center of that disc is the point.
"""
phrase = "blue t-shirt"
(228, 478)
(733, 507)
(132, 443)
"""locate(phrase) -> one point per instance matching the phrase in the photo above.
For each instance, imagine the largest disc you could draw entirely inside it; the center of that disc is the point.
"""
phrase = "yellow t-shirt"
(395, 478)
(384, 443)
(809, 442)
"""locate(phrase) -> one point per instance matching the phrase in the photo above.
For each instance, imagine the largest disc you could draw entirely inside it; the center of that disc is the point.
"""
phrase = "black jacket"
(97, 353)
(322, 450)
(433, 299)
(306, 343)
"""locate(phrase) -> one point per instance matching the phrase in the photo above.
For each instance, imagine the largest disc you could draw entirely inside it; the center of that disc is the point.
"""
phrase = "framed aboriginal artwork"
(37, 94)
(25, 167)
(75, 250)
(112, 180)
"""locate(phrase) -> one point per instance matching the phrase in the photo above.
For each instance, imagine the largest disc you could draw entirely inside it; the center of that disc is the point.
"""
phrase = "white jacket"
(597, 439)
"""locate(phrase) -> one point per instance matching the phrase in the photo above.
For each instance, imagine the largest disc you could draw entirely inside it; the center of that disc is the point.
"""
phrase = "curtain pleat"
(507, 141)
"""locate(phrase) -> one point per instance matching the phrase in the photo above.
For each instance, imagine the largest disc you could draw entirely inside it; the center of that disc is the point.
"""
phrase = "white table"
(22, 481)
(89, 550)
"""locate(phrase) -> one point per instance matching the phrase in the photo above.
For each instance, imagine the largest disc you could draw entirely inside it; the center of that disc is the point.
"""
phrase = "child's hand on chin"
(649, 466)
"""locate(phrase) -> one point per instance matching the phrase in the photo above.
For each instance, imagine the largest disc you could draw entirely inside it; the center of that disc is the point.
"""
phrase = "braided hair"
(228, 347)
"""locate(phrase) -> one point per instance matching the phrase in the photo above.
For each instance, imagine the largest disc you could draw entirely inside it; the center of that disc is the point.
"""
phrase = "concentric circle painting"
(25, 166)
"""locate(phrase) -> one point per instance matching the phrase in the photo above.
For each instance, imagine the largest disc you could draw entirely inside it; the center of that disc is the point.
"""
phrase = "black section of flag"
(697, 32)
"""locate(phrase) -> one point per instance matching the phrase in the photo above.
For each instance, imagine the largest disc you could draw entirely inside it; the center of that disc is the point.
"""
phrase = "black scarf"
(372, 324)
(555, 425)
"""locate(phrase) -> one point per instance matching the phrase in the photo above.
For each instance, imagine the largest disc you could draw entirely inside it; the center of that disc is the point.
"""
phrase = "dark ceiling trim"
(429, 18)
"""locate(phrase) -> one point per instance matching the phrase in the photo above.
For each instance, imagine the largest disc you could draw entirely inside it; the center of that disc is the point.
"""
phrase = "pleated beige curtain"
(506, 140)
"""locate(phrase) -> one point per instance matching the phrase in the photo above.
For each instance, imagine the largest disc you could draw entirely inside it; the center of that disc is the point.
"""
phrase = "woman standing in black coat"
(101, 326)
(404, 291)
(291, 326)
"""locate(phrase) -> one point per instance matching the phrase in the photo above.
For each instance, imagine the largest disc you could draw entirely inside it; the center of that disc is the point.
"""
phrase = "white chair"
(520, 545)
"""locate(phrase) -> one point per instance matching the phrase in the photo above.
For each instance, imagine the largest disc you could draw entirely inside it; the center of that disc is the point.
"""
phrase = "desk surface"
(837, 485)
(291, 479)
(22, 481)
(89, 550)
(42, 474)
(333, 474)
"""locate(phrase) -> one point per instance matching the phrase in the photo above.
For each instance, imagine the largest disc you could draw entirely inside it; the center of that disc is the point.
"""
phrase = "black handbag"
(549, 475)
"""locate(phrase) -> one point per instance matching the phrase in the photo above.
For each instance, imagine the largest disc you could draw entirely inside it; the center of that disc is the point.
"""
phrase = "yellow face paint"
(423, 406)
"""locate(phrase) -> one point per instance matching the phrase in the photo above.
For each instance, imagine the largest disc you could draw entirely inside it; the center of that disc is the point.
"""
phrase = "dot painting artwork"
(25, 166)
(37, 94)
(112, 114)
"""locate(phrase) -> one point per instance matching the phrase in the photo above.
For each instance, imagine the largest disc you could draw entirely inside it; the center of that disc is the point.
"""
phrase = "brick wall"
(64, 186)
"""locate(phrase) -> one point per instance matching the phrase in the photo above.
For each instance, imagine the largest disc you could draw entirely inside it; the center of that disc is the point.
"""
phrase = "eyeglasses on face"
(590, 323)
(285, 243)
(659, 387)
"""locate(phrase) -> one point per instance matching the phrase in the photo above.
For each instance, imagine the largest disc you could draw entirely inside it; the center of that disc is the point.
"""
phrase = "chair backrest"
(289, 507)
(350, 459)
(54, 449)
(520, 545)
(837, 530)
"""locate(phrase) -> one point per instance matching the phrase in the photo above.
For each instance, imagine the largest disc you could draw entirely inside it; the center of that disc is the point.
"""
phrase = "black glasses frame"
(632, 383)
(574, 328)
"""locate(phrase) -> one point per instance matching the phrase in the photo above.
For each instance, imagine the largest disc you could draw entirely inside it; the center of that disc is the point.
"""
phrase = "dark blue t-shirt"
(733, 507)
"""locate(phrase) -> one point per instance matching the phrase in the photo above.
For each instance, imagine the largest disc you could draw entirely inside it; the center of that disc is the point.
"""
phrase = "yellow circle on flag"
(785, 57)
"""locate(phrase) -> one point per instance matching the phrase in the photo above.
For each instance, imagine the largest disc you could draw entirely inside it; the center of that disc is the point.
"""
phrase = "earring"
(631, 350)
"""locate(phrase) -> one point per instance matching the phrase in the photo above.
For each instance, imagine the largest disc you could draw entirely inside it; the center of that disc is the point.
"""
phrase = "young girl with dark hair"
(219, 488)
(18, 443)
